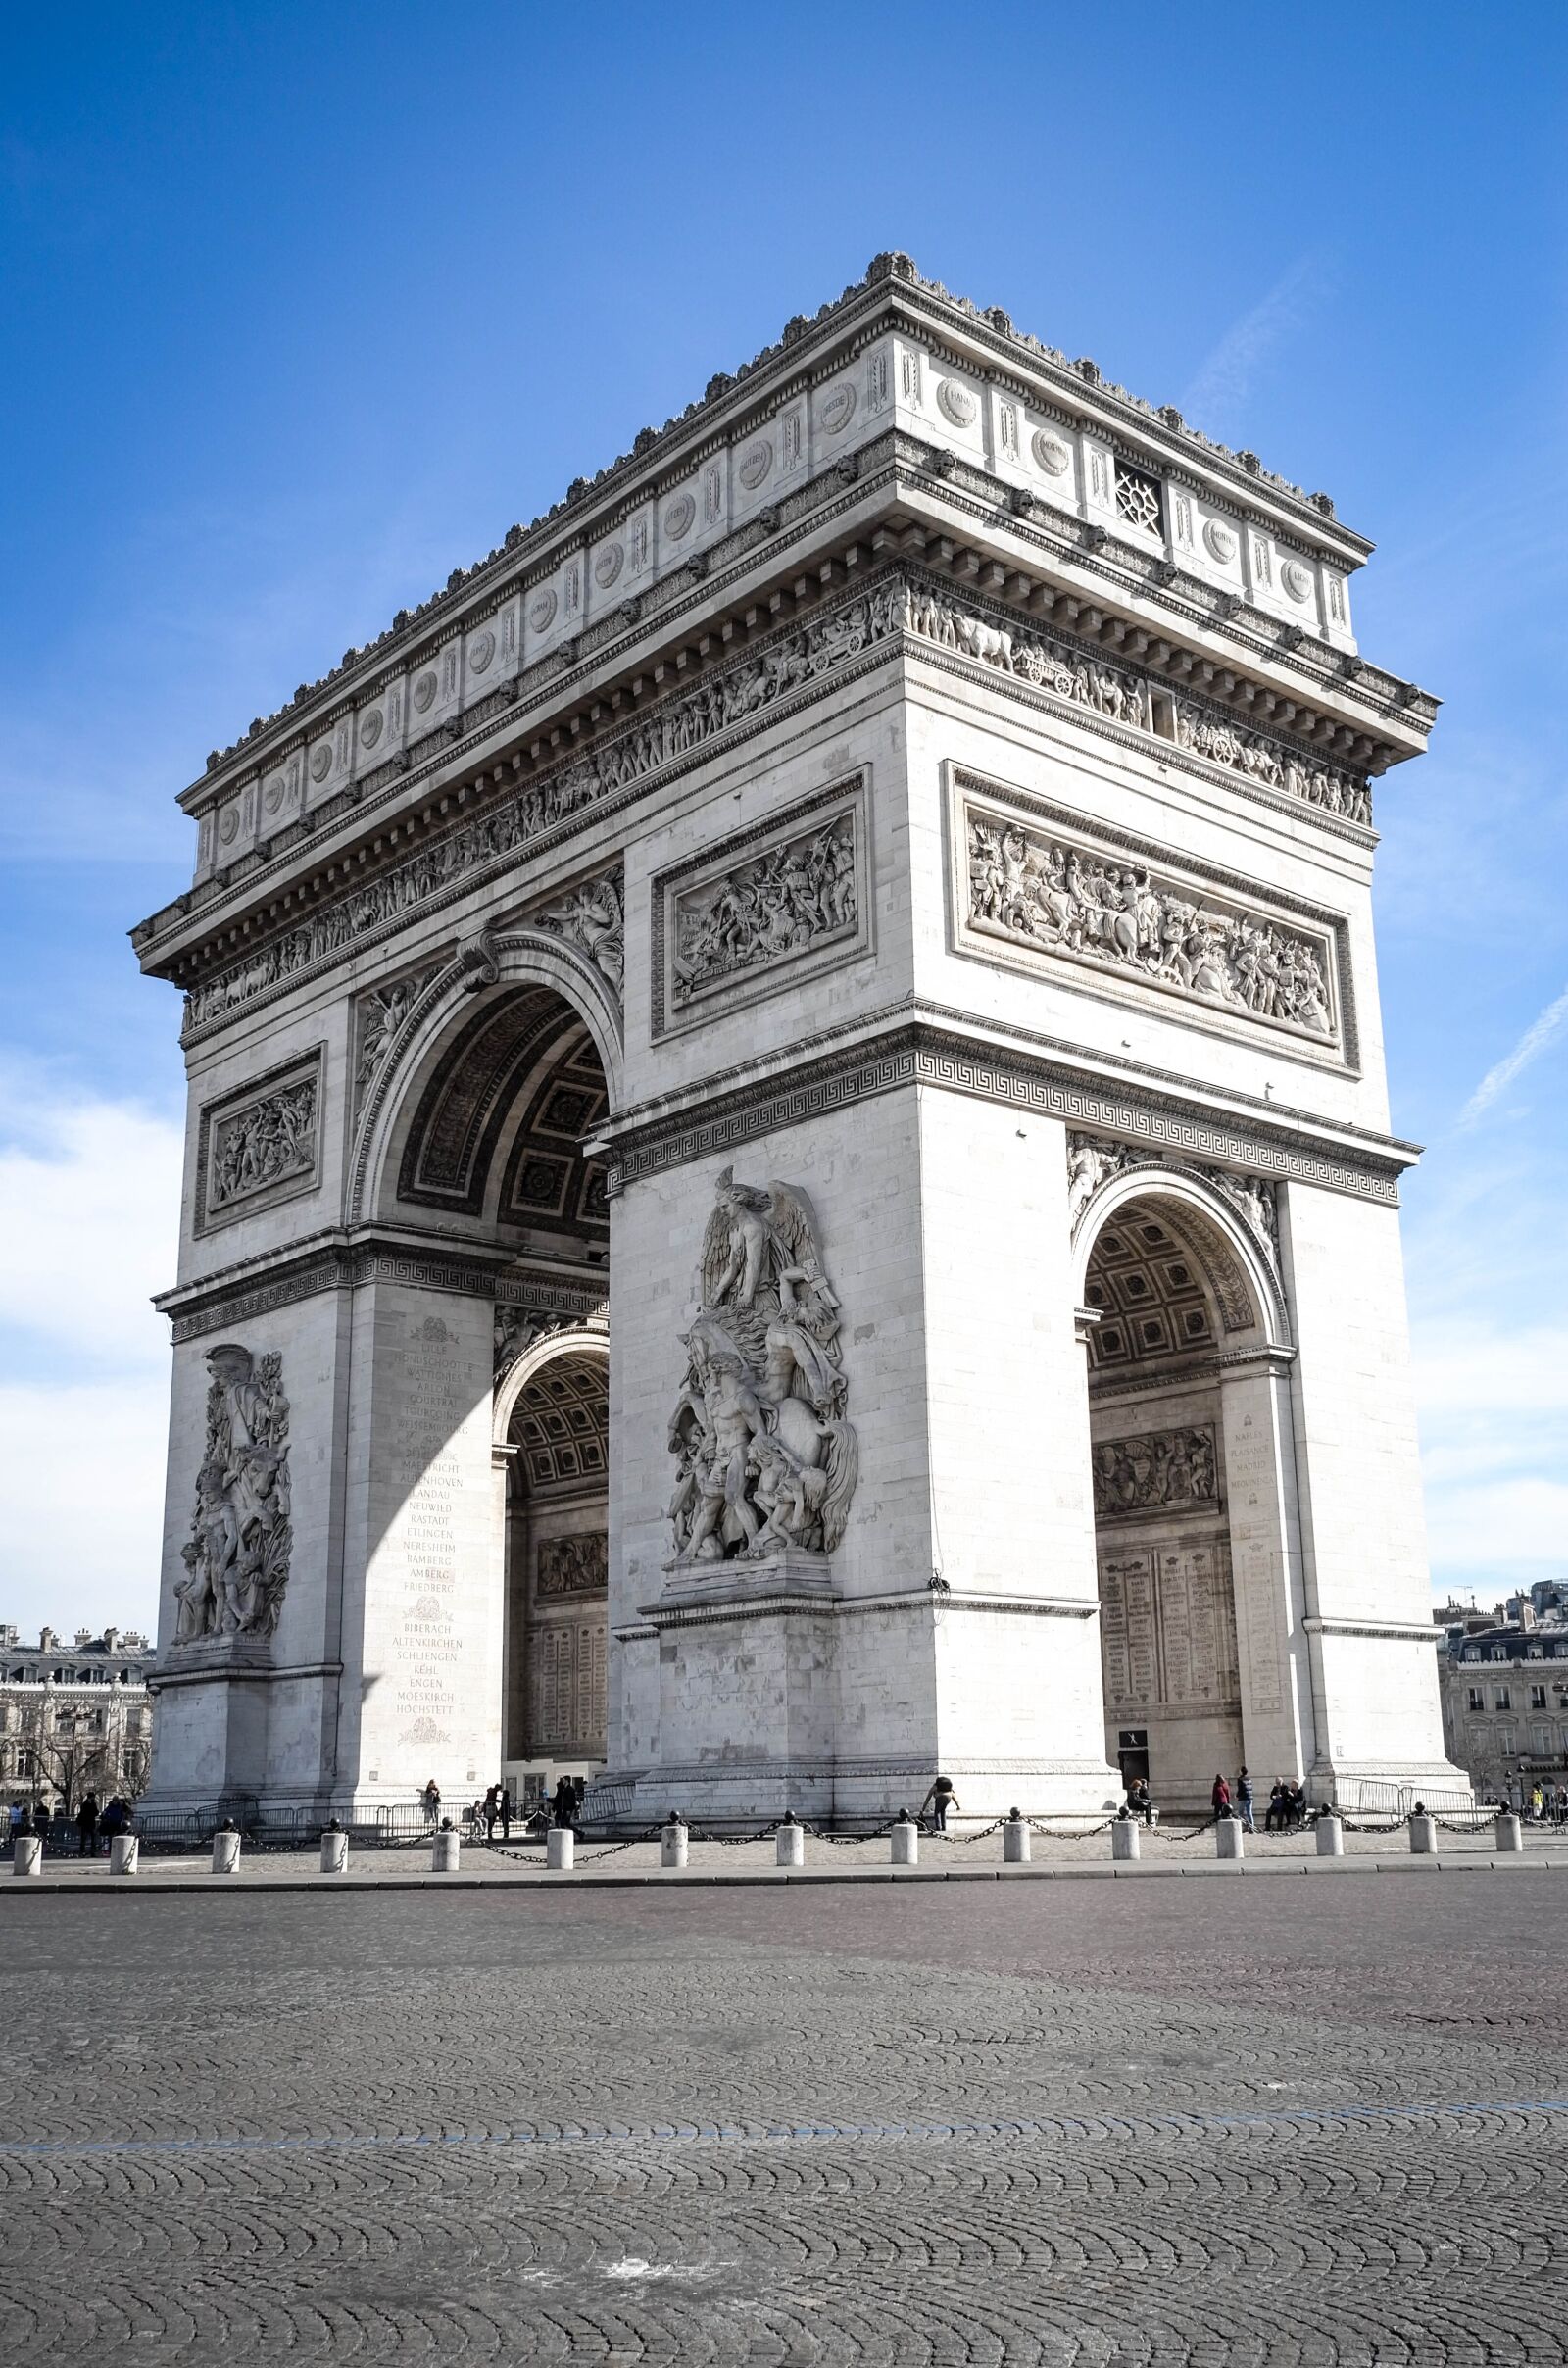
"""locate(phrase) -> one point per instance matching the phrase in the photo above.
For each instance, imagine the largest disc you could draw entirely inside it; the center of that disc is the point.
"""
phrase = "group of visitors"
(94, 1824)
(1287, 1808)
(563, 1807)
(1538, 1801)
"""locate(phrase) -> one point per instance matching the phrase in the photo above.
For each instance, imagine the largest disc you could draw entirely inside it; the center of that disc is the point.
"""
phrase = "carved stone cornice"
(891, 297)
(473, 835)
(887, 465)
(344, 1260)
(829, 1073)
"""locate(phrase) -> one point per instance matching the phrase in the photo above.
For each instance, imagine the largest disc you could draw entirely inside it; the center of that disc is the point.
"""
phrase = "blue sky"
(302, 306)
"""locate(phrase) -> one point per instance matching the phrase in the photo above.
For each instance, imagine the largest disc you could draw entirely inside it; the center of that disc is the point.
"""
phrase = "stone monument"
(789, 1173)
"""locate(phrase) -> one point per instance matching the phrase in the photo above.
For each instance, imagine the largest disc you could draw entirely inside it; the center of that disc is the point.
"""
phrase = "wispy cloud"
(1216, 399)
(1542, 1029)
(91, 1187)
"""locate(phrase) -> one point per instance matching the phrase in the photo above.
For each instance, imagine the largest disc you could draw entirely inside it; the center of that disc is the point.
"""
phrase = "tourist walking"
(87, 1827)
(1244, 1802)
(940, 1798)
(1219, 1793)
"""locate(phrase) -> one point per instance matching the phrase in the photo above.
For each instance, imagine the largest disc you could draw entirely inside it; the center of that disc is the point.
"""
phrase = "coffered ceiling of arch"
(1150, 1292)
(561, 1423)
(548, 1182)
(466, 1107)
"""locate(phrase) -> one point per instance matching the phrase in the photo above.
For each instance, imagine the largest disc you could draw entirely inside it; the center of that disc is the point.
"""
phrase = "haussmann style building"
(789, 1178)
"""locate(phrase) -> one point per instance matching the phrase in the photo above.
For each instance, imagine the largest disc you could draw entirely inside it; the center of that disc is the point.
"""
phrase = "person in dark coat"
(1244, 1802)
(87, 1827)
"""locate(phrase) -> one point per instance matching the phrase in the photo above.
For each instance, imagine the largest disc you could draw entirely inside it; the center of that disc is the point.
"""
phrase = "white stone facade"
(933, 786)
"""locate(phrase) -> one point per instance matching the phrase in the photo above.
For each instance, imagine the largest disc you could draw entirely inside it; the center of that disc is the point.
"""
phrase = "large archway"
(1203, 1655)
(486, 1591)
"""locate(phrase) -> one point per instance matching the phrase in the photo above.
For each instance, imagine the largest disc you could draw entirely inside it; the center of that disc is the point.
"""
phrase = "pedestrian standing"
(87, 1827)
(504, 1804)
(432, 1797)
(940, 1798)
(492, 1813)
(1219, 1793)
(1244, 1802)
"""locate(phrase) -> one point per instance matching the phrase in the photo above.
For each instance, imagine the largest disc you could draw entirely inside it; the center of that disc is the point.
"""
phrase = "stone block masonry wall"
(424, 1548)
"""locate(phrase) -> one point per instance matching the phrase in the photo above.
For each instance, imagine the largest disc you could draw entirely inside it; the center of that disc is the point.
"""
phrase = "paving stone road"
(1053, 2123)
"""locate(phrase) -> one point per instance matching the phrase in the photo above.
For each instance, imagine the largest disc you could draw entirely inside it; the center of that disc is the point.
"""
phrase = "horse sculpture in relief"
(766, 1459)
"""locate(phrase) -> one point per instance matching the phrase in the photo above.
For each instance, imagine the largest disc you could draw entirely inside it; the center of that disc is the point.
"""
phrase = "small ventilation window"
(1139, 500)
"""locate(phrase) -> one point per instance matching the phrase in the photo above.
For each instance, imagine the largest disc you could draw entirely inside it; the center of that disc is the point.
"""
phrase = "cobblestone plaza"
(1071, 2121)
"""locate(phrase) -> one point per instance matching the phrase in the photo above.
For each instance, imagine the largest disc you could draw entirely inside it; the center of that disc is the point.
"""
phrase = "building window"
(1477, 1700)
(1502, 1698)
(1541, 1742)
(1538, 1697)
(1508, 1742)
(1138, 499)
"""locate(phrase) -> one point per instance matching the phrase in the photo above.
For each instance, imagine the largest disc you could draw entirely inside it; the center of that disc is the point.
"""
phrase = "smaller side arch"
(589, 1339)
(1248, 1289)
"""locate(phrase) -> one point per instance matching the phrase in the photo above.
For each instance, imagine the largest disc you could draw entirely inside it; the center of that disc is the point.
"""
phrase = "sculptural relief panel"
(237, 1555)
(1156, 1471)
(1040, 889)
(755, 912)
(766, 1460)
(260, 1145)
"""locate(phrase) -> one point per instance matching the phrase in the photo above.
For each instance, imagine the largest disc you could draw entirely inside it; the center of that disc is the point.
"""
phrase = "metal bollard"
(1124, 1840)
(1330, 1836)
(1015, 1839)
(790, 1842)
(29, 1855)
(561, 1850)
(905, 1839)
(446, 1850)
(1510, 1831)
(1423, 1833)
(123, 1851)
(1228, 1838)
(672, 1841)
(225, 1850)
(334, 1850)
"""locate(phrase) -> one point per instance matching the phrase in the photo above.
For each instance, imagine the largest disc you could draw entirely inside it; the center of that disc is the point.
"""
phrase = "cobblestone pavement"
(1097, 2124)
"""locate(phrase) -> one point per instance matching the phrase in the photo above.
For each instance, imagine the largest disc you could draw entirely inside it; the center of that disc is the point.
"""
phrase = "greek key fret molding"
(1039, 888)
(762, 909)
(340, 1266)
(1091, 1162)
(260, 1143)
(918, 1054)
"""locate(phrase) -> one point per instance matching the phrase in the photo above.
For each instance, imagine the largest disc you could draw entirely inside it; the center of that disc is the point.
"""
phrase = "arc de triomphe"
(789, 1176)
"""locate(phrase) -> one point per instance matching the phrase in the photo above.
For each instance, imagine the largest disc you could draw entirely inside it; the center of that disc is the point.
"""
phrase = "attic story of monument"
(789, 1178)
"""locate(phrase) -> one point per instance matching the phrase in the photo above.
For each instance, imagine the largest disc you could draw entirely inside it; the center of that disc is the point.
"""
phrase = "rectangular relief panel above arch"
(260, 1143)
(1037, 887)
(763, 909)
